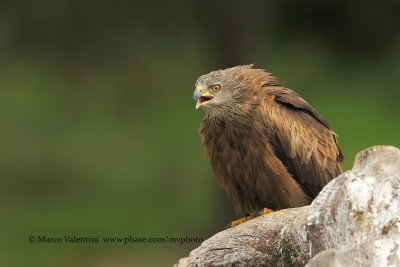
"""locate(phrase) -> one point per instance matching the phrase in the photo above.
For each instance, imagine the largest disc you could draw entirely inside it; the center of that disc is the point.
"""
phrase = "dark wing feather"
(293, 100)
(301, 139)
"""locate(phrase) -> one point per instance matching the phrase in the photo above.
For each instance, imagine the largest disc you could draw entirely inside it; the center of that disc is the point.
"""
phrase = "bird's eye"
(215, 88)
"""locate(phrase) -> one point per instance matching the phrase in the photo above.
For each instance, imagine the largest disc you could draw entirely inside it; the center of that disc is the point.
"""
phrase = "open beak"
(201, 99)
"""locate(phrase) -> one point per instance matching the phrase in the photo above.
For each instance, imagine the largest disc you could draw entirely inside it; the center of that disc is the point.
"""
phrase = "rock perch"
(354, 221)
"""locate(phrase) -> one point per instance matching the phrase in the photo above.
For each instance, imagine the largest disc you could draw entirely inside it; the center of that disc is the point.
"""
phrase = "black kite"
(267, 146)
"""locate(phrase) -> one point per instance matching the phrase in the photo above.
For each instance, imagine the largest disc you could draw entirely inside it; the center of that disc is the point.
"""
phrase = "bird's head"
(214, 89)
(225, 91)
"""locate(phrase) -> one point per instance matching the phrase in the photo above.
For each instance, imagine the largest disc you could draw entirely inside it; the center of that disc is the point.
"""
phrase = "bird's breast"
(235, 156)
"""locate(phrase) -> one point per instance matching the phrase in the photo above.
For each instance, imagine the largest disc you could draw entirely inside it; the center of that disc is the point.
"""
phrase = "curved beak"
(196, 95)
(200, 98)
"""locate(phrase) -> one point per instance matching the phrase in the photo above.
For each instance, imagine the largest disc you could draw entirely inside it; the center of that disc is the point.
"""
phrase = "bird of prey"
(267, 146)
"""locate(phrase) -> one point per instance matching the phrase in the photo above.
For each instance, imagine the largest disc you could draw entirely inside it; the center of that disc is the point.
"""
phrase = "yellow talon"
(265, 211)
(234, 223)
(241, 220)
(249, 217)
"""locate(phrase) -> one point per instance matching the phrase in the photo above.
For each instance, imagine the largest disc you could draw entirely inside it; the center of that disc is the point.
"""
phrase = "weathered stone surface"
(182, 262)
(275, 239)
(358, 213)
(354, 221)
(331, 258)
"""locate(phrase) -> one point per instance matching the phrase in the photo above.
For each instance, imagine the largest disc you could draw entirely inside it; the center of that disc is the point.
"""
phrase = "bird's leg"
(249, 217)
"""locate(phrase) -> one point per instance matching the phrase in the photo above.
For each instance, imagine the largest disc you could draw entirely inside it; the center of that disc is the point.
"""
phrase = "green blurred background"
(99, 135)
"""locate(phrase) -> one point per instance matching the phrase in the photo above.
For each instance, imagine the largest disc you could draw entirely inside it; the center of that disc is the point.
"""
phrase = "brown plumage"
(267, 146)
